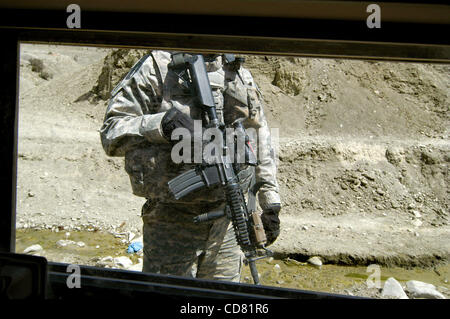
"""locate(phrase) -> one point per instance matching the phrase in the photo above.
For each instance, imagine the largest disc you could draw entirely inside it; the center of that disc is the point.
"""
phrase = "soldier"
(145, 107)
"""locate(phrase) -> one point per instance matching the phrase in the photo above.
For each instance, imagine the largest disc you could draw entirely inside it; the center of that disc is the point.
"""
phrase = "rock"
(419, 289)
(288, 81)
(429, 158)
(277, 268)
(105, 262)
(136, 267)
(304, 227)
(81, 244)
(370, 176)
(33, 249)
(392, 288)
(348, 292)
(65, 242)
(392, 156)
(107, 259)
(416, 214)
(395, 204)
(123, 262)
(417, 222)
(315, 261)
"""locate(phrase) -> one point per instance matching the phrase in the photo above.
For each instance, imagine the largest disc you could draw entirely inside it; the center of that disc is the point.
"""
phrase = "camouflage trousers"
(175, 245)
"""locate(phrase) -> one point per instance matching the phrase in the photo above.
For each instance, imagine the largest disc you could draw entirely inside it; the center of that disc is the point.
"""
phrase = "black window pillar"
(9, 55)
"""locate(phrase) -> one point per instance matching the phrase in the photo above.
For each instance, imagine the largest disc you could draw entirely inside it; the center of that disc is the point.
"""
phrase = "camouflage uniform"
(173, 244)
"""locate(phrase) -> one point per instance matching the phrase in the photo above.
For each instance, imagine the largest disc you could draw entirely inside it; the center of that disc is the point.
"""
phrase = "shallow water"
(97, 245)
(289, 273)
(334, 278)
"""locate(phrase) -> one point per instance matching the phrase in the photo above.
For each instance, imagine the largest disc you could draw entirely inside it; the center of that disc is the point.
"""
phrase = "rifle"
(247, 224)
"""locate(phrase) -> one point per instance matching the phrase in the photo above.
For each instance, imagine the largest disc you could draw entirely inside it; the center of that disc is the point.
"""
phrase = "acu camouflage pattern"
(174, 245)
(132, 128)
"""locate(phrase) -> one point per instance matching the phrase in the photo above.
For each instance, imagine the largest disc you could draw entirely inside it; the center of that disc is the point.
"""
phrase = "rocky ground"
(363, 154)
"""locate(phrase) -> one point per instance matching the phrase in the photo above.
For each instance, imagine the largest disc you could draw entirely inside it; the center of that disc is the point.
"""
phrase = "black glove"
(174, 119)
(271, 222)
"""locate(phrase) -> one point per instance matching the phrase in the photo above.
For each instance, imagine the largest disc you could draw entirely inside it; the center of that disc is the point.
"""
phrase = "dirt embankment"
(363, 164)
(363, 152)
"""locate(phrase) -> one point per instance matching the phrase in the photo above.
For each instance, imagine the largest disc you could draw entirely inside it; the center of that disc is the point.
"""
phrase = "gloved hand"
(174, 119)
(271, 222)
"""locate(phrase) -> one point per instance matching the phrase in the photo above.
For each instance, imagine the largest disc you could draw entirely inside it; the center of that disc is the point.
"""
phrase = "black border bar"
(268, 27)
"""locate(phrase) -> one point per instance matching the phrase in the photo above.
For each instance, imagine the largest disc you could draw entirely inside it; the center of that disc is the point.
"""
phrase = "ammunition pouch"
(150, 168)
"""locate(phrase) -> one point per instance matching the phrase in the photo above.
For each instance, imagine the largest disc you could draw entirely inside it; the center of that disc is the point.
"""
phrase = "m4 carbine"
(246, 222)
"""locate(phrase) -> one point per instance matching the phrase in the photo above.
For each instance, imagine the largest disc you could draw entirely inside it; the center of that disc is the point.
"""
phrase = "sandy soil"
(363, 154)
